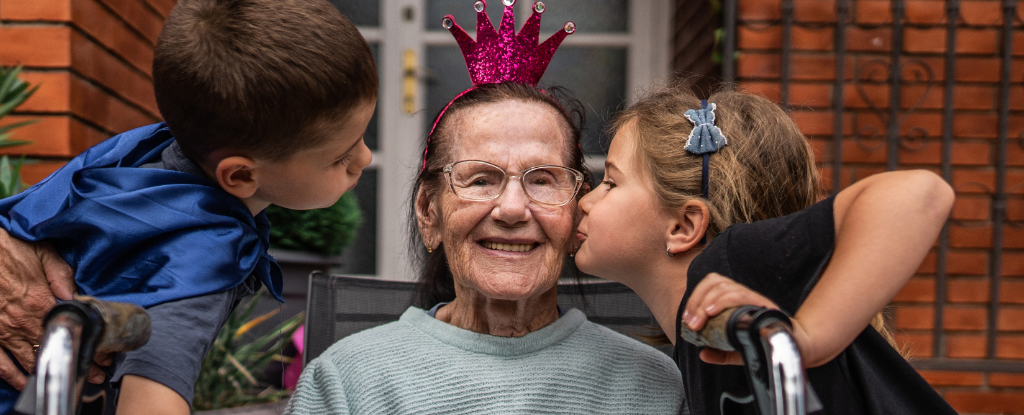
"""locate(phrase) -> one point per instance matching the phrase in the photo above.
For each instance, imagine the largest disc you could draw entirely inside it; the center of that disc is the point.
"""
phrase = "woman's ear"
(428, 219)
(238, 176)
(688, 225)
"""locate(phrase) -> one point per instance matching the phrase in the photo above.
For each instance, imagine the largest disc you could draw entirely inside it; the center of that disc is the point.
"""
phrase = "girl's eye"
(610, 184)
(344, 160)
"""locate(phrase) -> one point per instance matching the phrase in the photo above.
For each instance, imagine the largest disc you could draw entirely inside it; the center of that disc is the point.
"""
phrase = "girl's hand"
(712, 295)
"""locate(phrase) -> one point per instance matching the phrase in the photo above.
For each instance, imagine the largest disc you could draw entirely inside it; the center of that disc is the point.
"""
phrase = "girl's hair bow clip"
(706, 137)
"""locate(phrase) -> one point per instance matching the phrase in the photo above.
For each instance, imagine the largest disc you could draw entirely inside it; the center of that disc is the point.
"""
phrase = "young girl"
(734, 207)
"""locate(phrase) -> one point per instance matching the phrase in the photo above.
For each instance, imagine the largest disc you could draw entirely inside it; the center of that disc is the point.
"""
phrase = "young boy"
(265, 102)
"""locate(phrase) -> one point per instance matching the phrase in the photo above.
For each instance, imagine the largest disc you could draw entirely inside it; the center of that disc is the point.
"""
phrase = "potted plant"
(13, 92)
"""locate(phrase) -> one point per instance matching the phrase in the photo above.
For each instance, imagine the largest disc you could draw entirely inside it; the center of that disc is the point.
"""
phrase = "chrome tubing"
(57, 386)
(787, 374)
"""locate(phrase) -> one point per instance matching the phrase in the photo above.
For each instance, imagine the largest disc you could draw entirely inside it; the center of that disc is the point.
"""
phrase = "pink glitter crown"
(504, 56)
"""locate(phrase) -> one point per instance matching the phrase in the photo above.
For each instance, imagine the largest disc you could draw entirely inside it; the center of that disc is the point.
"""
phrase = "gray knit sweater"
(420, 365)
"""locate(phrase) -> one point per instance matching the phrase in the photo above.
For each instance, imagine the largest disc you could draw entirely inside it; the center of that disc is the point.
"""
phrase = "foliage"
(323, 231)
(13, 92)
(228, 375)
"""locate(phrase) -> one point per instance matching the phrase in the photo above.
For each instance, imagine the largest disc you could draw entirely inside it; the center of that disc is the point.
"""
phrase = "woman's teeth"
(507, 247)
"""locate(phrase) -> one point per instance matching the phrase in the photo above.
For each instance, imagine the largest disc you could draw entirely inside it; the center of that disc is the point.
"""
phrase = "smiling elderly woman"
(496, 208)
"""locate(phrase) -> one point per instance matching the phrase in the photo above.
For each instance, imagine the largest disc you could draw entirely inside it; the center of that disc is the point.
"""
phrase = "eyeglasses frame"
(447, 169)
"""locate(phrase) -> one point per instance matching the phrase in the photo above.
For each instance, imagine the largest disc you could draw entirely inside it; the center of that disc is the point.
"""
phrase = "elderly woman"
(496, 209)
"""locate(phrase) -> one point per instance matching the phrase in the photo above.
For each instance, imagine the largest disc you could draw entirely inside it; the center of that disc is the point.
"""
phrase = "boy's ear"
(238, 176)
(428, 219)
(687, 227)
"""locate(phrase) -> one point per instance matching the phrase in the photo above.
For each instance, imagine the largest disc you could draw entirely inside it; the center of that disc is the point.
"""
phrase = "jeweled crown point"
(502, 55)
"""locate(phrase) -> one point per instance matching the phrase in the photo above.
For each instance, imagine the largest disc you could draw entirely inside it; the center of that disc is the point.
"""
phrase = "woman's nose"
(513, 204)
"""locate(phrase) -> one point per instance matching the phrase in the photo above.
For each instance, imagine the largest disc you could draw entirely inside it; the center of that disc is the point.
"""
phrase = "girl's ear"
(238, 176)
(428, 219)
(688, 225)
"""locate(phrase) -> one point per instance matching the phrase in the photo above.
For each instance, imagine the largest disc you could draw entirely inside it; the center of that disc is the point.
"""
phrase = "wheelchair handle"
(74, 331)
(772, 361)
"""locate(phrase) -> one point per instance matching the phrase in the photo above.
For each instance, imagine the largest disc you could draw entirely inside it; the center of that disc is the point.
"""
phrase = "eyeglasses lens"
(482, 181)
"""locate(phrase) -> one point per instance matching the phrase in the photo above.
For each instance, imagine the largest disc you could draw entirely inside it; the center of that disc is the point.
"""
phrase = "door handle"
(409, 81)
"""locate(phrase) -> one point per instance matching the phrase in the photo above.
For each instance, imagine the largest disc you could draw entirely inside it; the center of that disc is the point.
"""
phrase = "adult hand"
(710, 297)
(32, 277)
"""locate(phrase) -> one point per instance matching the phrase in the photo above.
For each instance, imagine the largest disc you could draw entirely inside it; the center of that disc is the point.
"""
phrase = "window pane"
(462, 11)
(361, 256)
(594, 75)
(360, 12)
(590, 16)
(447, 77)
(597, 77)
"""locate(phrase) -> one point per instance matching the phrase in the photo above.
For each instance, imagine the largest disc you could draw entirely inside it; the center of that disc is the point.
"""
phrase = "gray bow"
(706, 137)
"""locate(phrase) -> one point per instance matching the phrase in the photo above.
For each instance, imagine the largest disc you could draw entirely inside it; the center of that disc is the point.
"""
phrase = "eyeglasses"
(480, 180)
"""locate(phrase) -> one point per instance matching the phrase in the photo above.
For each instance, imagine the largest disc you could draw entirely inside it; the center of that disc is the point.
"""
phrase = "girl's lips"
(581, 236)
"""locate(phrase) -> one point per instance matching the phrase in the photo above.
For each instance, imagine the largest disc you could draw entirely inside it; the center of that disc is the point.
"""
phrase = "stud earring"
(430, 250)
(668, 251)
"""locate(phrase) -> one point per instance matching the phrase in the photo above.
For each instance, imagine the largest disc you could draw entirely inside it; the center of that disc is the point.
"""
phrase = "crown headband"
(502, 55)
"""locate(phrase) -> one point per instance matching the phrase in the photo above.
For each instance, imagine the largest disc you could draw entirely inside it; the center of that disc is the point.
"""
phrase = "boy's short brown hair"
(265, 78)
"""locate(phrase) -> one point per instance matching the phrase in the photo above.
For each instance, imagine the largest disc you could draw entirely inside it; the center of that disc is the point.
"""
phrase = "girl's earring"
(668, 251)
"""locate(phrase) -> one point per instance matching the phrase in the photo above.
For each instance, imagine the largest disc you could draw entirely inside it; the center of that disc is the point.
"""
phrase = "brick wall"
(92, 60)
(864, 152)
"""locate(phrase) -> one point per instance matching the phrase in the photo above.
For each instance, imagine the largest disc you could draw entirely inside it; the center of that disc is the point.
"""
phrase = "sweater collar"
(475, 342)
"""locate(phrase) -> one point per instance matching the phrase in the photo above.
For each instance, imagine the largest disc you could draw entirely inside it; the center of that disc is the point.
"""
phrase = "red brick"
(965, 346)
(803, 67)
(36, 10)
(968, 40)
(918, 345)
(971, 208)
(967, 290)
(930, 152)
(1010, 347)
(33, 173)
(950, 378)
(37, 46)
(54, 136)
(982, 125)
(109, 30)
(1015, 210)
(1006, 379)
(143, 19)
(872, 12)
(100, 66)
(973, 181)
(1011, 291)
(1013, 264)
(814, 123)
(162, 7)
(759, 10)
(1011, 318)
(814, 11)
(52, 95)
(95, 105)
(969, 318)
(917, 290)
(985, 402)
(976, 236)
(981, 13)
(914, 317)
(868, 39)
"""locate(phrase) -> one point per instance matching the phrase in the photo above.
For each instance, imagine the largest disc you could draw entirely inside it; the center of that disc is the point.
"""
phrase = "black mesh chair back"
(338, 306)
